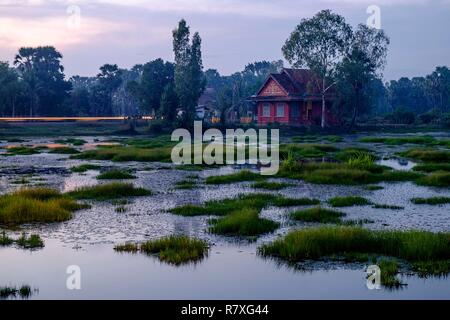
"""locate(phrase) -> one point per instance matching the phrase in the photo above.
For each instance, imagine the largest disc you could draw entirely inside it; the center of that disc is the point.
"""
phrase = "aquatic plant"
(116, 174)
(319, 215)
(436, 179)
(124, 154)
(348, 201)
(241, 176)
(109, 191)
(388, 207)
(427, 155)
(432, 167)
(85, 167)
(270, 185)
(32, 242)
(64, 150)
(431, 201)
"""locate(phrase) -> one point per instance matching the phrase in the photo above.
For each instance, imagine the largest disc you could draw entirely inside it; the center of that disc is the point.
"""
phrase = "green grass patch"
(388, 207)
(22, 151)
(432, 268)
(266, 185)
(72, 141)
(374, 188)
(254, 201)
(317, 243)
(341, 202)
(427, 155)
(241, 176)
(64, 150)
(109, 191)
(116, 174)
(398, 176)
(39, 205)
(319, 215)
(244, 222)
(186, 185)
(426, 140)
(123, 154)
(176, 250)
(34, 241)
(23, 292)
(5, 240)
(85, 167)
(432, 167)
(436, 179)
(300, 151)
(431, 201)
(389, 271)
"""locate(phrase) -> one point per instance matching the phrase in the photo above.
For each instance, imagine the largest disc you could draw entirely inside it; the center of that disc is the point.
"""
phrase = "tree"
(41, 70)
(362, 64)
(189, 78)
(169, 104)
(156, 75)
(108, 81)
(11, 88)
(319, 44)
(225, 104)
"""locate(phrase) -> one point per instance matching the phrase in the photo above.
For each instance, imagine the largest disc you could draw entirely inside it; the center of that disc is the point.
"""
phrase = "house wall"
(273, 113)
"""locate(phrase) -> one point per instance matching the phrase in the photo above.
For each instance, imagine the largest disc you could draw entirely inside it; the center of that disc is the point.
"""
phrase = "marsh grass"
(23, 292)
(72, 141)
(116, 174)
(317, 243)
(432, 268)
(374, 188)
(5, 240)
(300, 151)
(34, 241)
(436, 179)
(266, 185)
(242, 176)
(38, 205)
(318, 215)
(348, 154)
(389, 271)
(388, 207)
(127, 247)
(432, 167)
(425, 140)
(64, 150)
(341, 202)
(186, 185)
(431, 201)
(124, 154)
(22, 151)
(109, 191)
(253, 201)
(176, 250)
(427, 155)
(85, 167)
(244, 222)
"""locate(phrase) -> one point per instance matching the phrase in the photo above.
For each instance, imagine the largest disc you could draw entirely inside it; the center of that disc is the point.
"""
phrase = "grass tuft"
(431, 201)
(109, 191)
(436, 179)
(241, 176)
(318, 215)
(85, 167)
(34, 241)
(266, 185)
(116, 174)
(340, 202)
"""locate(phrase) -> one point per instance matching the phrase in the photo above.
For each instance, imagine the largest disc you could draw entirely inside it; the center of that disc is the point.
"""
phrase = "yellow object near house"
(246, 120)
(215, 120)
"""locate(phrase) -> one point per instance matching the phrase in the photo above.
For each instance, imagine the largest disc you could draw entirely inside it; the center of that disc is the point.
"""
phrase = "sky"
(90, 33)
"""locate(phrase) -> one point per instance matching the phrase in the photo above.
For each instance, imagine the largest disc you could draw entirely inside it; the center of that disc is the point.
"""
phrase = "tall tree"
(319, 44)
(169, 104)
(189, 78)
(362, 64)
(41, 70)
(108, 81)
(11, 88)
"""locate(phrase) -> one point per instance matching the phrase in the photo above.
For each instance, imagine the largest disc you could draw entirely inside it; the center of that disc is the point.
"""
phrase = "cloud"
(57, 31)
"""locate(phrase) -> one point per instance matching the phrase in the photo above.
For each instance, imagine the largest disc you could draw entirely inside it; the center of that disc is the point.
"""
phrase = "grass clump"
(64, 150)
(254, 201)
(300, 151)
(432, 167)
(116, 174)
(436, 179)
(319, 215)
(186, 185)
(340, 202)
(266, 185)
(109, 191)
(22, 151)
(244, 222)
(431, 201)
(34, 241)
(127, 247)
(427, 155)
(432, 268)
(123, 154)
(5, 240)
(85, 167)
(426, 140)
(317, 243)
(241, 176)
(389, 271)
(176, 250)
(72, 141)
(374, 188)
(23, 292)
(398, 176)
(40, 205)
(388, 207)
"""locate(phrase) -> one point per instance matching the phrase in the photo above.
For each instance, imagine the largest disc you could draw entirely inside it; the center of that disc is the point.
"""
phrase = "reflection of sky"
(142, 30)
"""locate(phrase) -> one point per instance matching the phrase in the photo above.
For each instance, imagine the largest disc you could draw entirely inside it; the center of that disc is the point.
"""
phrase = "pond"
(232, 270)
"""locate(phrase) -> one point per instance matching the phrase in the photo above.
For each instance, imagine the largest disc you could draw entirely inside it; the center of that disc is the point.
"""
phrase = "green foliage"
(427, 155)
(318, 214)
(32, 242)
(85, 167)
(64, 150)
(22, 151)
(426, 140)
(389, 271)
(431, 201)
(436, 179)
(23, 292)
(243, 222)
(432, 167)
(388, 207)
(270, 185)
(124, 154)
(241, 176)
(116, 175)
(5, 240)
(426, 269)
(72, 141)
(109, 191)
(317, 243)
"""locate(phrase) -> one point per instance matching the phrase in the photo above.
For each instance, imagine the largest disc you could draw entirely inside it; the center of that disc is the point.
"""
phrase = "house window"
(280, 110)
(266, 110)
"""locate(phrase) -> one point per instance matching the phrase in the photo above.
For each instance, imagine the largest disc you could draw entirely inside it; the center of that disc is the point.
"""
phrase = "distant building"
(292, 97)
(207, 105)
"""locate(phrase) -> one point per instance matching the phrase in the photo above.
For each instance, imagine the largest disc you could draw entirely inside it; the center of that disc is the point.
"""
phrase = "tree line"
(348, 63)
